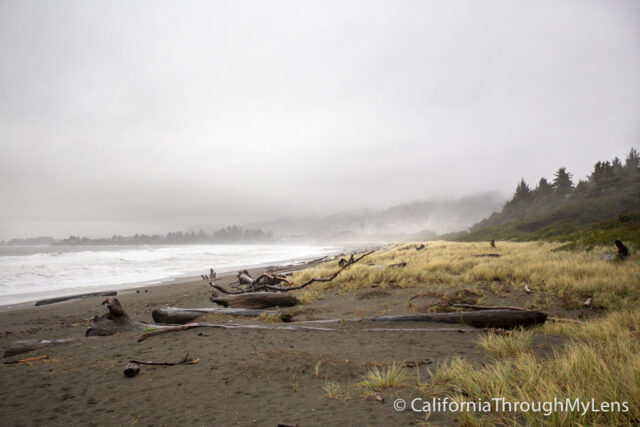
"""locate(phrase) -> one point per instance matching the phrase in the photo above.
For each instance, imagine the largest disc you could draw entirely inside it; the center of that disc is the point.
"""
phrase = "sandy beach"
(243, 377)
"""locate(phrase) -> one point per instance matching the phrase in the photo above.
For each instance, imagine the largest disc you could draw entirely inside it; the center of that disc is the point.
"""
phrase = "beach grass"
(599, 362)
(568, 276)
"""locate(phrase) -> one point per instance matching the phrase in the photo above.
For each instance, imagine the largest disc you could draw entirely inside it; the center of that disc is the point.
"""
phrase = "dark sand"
(244, 377)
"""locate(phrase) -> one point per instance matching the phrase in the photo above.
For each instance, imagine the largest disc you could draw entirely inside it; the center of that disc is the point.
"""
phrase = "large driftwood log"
(486, 319)
(179, 316)
(255, 300)
(509, 307)
(25, 346)
(503, 319)
(114, 321)
(78, 296)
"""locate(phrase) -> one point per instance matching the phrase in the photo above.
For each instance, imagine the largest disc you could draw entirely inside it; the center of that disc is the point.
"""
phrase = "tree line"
(614, 181)
(231, 234)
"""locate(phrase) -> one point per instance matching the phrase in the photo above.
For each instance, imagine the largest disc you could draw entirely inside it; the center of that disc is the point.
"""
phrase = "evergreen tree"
(603, 176)
(523, 193)
(562, 184)
(544, 189)
(632, 166)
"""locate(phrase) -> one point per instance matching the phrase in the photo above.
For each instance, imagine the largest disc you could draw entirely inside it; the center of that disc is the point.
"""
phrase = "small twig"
(563, 320)
(431, 330)
(489, 307)
(30, 359)
(227, 326)
(186, 361)
(416, 363)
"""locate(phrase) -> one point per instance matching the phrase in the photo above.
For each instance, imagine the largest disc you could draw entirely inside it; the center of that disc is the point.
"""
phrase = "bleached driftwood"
(179, 316)
(114, 320)
(255, 300)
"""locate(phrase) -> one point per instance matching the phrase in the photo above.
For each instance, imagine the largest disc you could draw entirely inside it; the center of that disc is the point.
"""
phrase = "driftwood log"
(25, 346)
(78, 296)
(486, 319)
(508, 307)
(501, 319)
(180, 316)
(114, 321)
(265, 279)
(255, 300)
(188, 326)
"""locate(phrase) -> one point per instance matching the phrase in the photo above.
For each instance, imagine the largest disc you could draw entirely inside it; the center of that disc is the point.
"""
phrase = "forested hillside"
(608, 199)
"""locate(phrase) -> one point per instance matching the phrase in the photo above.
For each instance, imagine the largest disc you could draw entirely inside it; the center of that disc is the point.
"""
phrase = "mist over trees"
(612, 188)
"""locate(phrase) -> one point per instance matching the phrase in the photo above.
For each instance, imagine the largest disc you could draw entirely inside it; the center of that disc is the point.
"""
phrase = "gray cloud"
(118, 117)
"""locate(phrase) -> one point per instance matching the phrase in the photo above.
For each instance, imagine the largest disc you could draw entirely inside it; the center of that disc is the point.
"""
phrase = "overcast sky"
(125, 116)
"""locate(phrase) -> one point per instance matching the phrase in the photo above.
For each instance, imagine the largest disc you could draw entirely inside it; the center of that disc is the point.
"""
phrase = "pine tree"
(544, 188)
(562, 184)
(523, 192)
(632, 166)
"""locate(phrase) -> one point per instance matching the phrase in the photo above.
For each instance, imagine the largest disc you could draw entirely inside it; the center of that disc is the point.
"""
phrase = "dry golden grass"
(391, 376)
(515, 343)
(603, 364)
(568, 275)
(602, 360)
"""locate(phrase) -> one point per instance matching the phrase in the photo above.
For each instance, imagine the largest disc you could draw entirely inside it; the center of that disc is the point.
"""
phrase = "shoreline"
(127, 287)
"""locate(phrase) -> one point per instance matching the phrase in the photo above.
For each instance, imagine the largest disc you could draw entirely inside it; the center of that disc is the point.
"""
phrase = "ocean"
(29, 273)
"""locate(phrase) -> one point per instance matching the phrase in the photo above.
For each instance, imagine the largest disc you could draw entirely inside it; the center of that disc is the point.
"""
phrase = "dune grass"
(512, 344)
(603, 364)
(570, 276)
(391, 376)
(601, 360)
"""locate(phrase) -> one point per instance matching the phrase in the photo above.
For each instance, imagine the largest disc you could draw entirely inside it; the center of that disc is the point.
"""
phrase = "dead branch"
(416, 363)
(328, 279)
(563, 320)
(275, 288)
(431, 330)
(227, 326)
(30, 359)
(70, 297)
(185, 361)
(489, 307)
(25, 346)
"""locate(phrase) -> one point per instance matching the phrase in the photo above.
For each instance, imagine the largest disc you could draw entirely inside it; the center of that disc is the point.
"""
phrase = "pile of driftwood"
(270, 289)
